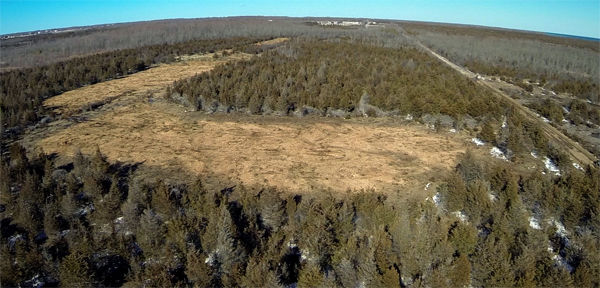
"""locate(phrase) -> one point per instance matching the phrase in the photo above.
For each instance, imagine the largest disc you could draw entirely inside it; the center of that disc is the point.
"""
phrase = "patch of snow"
(492, 197)
(560, 228)
(427, 186)
(291, 245)
(305, 255)
(497, 153)
(534, 223)
(565, 121)
(409, 117)
(437, 199)
(577, 166)
(551, 166)
(12, 240)
(504, 123)
(119, 220)
(560, 261)
(553, 93)
(546, 120)
(534, 154)
(211, 259)
(566, 110)
(589, 101)
(460, 215)
(35, 281)
(478, 141)
(452, 130)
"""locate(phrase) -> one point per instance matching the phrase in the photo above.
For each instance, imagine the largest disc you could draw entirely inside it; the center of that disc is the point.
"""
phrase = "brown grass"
(273, 41)
(149, 81)
(297, 154)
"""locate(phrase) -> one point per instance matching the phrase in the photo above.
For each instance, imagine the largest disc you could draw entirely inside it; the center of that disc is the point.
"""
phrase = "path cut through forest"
(576, 151)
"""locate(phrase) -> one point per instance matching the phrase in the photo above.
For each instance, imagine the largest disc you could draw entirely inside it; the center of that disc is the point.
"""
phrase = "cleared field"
(292, 153)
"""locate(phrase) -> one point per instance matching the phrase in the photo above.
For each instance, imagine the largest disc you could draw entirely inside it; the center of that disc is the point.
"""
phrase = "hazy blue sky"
(574, 17)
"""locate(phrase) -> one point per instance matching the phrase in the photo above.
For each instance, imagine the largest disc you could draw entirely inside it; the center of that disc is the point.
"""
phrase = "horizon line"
(581, 37)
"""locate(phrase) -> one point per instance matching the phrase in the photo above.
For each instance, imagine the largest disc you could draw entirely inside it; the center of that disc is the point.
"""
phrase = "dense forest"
(92, 222)
(323, 77)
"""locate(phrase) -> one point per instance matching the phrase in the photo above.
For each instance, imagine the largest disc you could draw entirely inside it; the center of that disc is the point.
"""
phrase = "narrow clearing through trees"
(577, 152)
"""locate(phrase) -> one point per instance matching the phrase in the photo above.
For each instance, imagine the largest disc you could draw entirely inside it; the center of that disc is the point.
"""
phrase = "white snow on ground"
(291, 245)
(589, 101)
(35, 281)
(534, 223)
(560, 228)
(452, 130)
(551, 166)
(211, 259)
(477, 141)
(577, 166)
(504, 124)
(546, 120)
(119, 220)
(534, 155)
(427, 186)
(492, 196)
(437, 199)
(553, 93)
(497, 153)
(305, 255)
(409, 117)
(565, 121)
(566, 110)
(563, 233)
(560, 261)
(460, 215)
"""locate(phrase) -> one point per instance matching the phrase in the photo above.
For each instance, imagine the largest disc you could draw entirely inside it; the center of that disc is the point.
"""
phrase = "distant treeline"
(90, 223)
(22, 91)
(58, 47)
(486, 32)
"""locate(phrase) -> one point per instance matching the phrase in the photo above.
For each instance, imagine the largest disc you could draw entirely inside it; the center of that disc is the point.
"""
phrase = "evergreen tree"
(74, 271)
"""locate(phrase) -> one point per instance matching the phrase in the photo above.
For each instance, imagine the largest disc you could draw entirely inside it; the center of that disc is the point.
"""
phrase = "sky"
(571, 17)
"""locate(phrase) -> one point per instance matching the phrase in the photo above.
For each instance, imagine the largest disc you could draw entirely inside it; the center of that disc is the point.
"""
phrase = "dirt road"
(577, 152)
